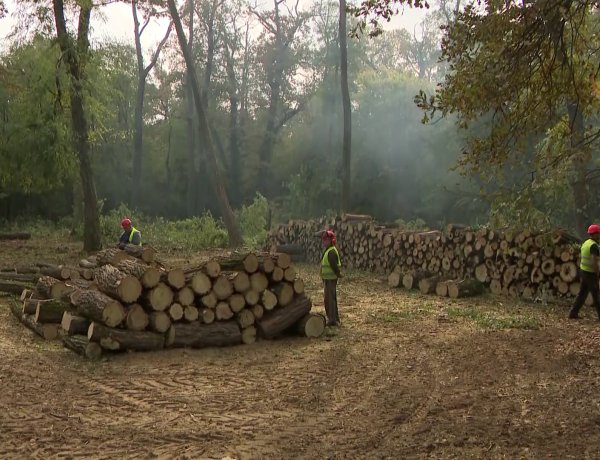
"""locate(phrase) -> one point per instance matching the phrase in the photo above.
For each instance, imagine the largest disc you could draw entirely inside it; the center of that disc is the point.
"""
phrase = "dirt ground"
(406, 376)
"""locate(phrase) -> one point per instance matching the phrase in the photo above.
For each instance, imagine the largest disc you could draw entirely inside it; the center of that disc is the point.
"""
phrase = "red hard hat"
(592, 229)
(329, 235)
(126, 223)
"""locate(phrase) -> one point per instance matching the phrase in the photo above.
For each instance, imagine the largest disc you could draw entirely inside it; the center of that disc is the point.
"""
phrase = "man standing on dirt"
(331, 266)
(588, 272)
(130, 235)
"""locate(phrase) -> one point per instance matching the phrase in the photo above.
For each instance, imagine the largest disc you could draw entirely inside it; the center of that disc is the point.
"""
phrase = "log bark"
(160, 297)
(176, 311)
(136, 319)
(465, 288)
(311, 325)
(73, 324)
(82, 346)
(117, 284)
(411, 279)
(190, 313)
(48, 331)
(159, 321)
(97, 306)
(50, 311)
(198, 335)
(15, 236)
(52, 288)
(56, 271)
(122, 339)
(249, 335)
(277, 321)
(14, 287)
(201, 284)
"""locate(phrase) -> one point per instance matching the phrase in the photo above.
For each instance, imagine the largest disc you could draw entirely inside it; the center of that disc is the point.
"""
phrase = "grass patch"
(396, 316)
(493, 320)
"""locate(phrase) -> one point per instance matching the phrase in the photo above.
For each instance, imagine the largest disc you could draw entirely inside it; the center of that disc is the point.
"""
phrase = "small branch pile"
(454, 262)
(128, 304)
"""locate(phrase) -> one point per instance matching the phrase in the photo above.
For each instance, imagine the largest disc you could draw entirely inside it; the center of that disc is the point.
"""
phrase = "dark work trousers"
(331, 308)
(589, 284)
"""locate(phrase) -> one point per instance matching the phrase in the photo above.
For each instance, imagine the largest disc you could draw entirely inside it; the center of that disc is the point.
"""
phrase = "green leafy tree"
(524, 72)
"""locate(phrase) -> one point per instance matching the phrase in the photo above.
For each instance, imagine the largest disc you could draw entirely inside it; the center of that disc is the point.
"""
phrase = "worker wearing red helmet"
(588, 272)
(130, 234)
(331, 266)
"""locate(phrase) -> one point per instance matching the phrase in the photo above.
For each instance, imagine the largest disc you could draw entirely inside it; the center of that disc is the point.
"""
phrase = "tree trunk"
(581, 160)
(97, 306)
(276, 322)
(346, 149)
(192, 172)
(80, 344)
(233, 229)
(76, 59)
(198, 335)
(121, 339)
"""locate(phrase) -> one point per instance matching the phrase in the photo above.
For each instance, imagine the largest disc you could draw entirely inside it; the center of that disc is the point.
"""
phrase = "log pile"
(517, 263)
(132, 305)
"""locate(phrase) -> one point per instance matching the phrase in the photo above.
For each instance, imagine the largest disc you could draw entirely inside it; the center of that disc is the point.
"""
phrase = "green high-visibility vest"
(586, 256)
(327, 272)
(134, 230)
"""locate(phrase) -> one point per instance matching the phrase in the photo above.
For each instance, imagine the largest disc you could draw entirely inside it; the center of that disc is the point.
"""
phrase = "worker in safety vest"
(331, 266)
(130, 234)
(588, 272)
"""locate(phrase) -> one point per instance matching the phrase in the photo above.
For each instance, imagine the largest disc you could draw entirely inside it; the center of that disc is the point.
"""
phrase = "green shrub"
(253, 221)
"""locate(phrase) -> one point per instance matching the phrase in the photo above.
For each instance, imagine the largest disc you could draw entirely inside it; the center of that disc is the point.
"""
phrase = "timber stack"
(455, 262)
(129, 304)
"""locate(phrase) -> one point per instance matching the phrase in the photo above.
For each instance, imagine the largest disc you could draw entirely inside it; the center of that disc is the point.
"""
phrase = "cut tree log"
(147, 253)
(208, 315)
(15, 236)
(249, 335)
(411, 279)
(176, 278)
(441, 288)
(289, 274)
(201, 284)
(428, 285)
(245, 318)
(176, 311)
(198, 335)
(311, 325)
(122, 339)
(222, 287)
(259, 282)
(52, 288)
(277, 321)
(210, 300)
(277, 274)
(251, 263)
(136, 319)
(111, 256)
(299, 286)
(284, 293)
(190, 313)
(185, 296)
(223, 311)
(257, 310)
(252, 297)
(14, 287)
(283, 260)
(237, 302)
(97, 306)
(465, 288)
(394, 279)
(241, 282)
(117, 284)
(160, 297)
(50, 311)
(148, 276)
(159, 321)
(81, 345)
(213, 268)
(269, 300)
(47, 331)
(56, 271)
(73, 324)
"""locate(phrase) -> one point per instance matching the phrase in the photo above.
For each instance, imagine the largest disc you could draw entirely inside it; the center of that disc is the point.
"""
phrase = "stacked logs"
(517, 263)
(132, 305)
